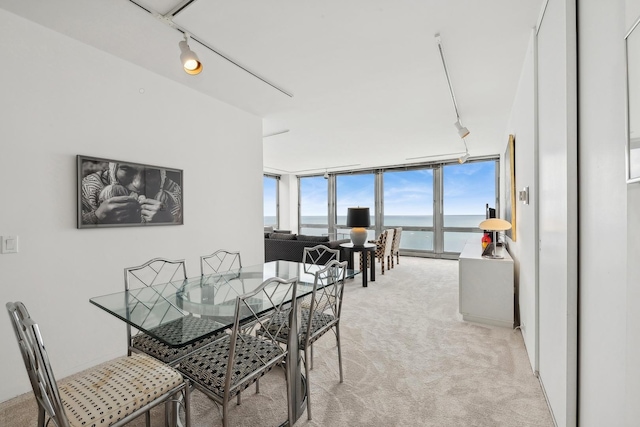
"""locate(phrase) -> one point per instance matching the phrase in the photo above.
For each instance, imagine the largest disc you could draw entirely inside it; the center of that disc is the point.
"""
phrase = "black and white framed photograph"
(114, 193)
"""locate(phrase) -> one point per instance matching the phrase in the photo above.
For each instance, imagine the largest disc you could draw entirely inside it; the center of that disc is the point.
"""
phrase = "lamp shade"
(495, 224)
(358, 217)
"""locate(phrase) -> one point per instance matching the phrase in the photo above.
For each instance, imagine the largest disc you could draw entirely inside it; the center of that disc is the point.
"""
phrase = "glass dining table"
(166, 311)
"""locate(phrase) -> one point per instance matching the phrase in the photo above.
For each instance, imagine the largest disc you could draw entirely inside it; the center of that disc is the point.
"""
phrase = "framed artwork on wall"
(510, 187)
(114, 193)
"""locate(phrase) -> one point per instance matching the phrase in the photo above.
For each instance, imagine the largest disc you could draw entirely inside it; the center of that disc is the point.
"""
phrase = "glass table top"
(181, 312)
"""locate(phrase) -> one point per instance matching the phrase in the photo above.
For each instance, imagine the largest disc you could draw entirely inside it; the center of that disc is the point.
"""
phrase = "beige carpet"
(409, 360)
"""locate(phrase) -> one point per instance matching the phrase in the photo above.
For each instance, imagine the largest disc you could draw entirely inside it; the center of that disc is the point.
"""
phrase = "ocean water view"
(411, 240)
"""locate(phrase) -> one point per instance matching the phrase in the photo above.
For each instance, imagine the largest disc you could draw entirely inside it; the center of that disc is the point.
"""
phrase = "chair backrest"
(326, 299)
(37, 363)
(153, 272)
(220, 260)
(396, 240)
(273, 299)
(388, 241)
(320, 255)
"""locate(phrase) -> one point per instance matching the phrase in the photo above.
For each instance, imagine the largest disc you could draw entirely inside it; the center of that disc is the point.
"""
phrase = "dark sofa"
(290, 247)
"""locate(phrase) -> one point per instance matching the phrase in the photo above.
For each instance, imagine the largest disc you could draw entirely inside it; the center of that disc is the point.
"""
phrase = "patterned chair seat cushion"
(208, 366)
(319, 321)
(184, 327)
(106, 395)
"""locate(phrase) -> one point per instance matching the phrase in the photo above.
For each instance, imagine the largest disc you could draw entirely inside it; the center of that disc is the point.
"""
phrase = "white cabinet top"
(473, 250)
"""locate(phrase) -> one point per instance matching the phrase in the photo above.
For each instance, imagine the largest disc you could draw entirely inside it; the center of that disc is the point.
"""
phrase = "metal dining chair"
(220, 260)
(228, 366)
(110, 395)
(322, 316)
(154, 272)
(319, 255)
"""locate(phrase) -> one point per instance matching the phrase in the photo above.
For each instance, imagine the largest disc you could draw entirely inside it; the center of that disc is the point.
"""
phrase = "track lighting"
(189, 59)
(462, 159)
(462, 131)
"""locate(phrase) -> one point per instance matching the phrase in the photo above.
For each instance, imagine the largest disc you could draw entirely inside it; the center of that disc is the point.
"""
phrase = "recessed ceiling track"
(167, 19)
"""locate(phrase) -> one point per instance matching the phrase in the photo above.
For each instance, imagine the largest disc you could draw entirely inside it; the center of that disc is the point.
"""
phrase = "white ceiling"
(368, 84)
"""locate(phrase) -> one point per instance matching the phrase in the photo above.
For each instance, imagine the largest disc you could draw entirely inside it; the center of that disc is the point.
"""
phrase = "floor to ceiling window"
(313, 210)
(467, 190)
(408, 203)
(355, 190)
(270, 200)
(438, 206)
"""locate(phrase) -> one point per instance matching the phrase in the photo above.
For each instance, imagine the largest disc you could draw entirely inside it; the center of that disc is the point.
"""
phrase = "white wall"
(557, 208)
(61, 98)
(603, 195)
(523, 250)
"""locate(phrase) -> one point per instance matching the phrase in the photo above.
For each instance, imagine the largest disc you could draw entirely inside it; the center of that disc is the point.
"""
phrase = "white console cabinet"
(486, 286)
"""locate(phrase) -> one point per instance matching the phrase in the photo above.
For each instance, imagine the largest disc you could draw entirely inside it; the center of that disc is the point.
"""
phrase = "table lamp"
(494, 225)
(358, 219)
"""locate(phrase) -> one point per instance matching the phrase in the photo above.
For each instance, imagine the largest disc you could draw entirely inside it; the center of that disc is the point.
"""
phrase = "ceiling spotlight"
(326, 175)
(189, 59)
(464, 158)
(462, 131)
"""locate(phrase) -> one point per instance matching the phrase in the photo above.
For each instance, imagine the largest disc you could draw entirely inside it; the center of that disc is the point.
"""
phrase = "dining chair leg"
(288, 380)
(40, 416)
(311, 355)
(225, 414)
(187, 406)
(147, 418)
(339, 351)
(306, 372)
(167, 413)
(239, 399)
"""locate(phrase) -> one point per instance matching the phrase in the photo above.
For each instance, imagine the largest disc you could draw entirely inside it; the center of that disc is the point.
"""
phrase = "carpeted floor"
(409, 360)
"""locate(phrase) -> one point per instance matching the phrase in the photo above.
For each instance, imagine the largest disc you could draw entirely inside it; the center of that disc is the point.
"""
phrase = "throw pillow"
(313, 238)
(268, 229)
(282, 231)
(282, 236)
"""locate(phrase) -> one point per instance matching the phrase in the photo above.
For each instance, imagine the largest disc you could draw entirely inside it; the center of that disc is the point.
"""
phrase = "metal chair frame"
(45, 387)
(322, 316)
(220, 260)
(319, 255)
(153, 272)
(199, 366)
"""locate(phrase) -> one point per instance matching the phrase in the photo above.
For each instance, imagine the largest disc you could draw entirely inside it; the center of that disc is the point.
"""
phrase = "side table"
(368, 250)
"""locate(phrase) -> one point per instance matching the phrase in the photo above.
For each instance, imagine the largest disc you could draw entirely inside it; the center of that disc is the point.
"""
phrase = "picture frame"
(510, 187)
(114, 193)
(632, 118)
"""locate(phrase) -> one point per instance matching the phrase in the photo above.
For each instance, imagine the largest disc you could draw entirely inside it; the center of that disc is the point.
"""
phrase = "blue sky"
(467, 189)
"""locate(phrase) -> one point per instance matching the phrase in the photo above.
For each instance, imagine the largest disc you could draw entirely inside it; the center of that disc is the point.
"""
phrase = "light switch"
(9, 245)
(523, 195)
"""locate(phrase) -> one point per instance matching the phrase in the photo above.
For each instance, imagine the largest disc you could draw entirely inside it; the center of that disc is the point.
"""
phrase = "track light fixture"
(462, 159)
(462, 131)
(189, 59)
